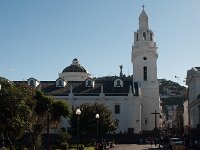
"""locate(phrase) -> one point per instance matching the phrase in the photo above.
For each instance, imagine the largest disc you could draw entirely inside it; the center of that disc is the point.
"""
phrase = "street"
(134, 147)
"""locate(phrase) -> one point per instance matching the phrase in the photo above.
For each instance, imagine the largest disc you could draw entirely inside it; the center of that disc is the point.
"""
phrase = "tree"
(48, 112)
(88, 122)
(23, 110)
(16, 114)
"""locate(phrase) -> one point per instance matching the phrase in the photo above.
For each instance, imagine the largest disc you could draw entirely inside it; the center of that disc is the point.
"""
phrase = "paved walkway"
(134, 147)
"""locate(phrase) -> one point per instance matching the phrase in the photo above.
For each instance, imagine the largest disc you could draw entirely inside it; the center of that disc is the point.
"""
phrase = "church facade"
(132, 101)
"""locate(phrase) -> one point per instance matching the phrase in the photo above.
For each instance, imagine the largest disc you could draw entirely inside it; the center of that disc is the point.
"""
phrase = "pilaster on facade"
(193, 82)
(102, 94)
(71, 94)
(130, 94)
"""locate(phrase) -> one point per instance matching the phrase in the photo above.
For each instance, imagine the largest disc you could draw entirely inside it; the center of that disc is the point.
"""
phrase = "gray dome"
(74, 67)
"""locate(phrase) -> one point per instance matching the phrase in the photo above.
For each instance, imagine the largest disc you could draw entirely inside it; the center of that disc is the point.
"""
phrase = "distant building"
(132, 102)
(186, 118)
(193, 82)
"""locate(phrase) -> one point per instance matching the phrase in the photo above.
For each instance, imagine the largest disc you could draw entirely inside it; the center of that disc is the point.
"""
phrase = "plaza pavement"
(134, 147)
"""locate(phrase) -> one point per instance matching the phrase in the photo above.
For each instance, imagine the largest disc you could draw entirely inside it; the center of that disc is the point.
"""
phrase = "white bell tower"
(144, 59)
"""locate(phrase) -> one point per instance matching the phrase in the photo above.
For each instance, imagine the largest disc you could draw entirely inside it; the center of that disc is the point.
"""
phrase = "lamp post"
(97, 118)
(2, 136)
(78, 113)
(48, 140)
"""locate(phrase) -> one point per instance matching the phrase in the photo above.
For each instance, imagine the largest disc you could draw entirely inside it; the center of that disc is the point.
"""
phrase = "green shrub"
(74, 146)
(64, 146)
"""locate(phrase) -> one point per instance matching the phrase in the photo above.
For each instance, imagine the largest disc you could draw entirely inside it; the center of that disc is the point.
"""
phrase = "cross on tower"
(155, 113)
(143, 6)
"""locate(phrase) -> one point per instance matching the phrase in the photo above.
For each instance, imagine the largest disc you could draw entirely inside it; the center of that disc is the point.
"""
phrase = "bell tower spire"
(143, 20)
(144, 52)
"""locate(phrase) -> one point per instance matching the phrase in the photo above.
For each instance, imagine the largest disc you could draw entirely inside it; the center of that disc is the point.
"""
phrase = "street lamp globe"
(97, 116)
(78, 111)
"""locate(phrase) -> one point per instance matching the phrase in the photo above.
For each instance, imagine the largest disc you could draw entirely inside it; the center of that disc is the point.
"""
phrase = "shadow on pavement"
(153, 148)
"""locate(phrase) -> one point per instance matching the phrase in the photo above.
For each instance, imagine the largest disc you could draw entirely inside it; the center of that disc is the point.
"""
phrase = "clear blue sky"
(39, 38)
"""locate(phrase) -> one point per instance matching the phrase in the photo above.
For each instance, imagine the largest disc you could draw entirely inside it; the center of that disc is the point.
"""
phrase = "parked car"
(178, 145)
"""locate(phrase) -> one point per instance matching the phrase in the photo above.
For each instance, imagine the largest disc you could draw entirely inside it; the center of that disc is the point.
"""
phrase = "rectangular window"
(145, 121)
(117, 109)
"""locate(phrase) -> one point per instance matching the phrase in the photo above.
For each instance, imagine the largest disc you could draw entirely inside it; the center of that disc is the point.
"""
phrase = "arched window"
(136, 88)
(145, 73)
(144, 35)
(118, 83)
(137, 37)
(89, 83)
(60, 83)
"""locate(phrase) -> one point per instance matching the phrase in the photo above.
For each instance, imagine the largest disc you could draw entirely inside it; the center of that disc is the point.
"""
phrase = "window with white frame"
(118, 83)
(31, 82)
(89, 83)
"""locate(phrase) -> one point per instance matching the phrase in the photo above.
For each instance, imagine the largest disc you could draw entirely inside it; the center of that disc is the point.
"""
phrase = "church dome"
(75, 72)
(74, 67)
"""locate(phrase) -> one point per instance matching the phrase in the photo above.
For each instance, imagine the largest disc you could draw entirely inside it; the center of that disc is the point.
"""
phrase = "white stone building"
(193, 82)
(132, 101)
(186, 118)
